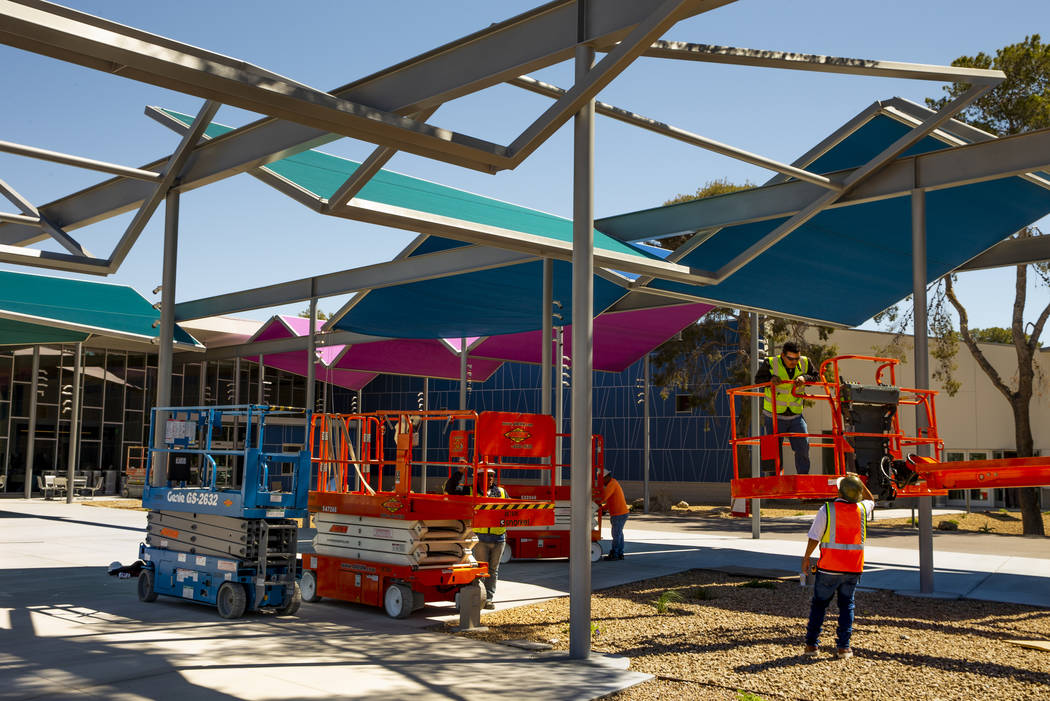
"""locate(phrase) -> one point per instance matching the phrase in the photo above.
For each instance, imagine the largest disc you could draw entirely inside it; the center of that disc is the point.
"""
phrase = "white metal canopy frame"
(390, 108)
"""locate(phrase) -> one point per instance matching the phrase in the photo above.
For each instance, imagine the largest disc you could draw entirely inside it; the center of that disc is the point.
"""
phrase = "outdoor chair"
(47, 486)
(60, 485)
(90, 491)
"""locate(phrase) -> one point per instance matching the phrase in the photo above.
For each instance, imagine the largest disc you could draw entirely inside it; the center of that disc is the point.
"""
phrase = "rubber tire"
(308, 587)
(398, 600)
(146, 591)
(125, 492)
(507, 555)
(596, 551)
(231, 600)
(290, 607)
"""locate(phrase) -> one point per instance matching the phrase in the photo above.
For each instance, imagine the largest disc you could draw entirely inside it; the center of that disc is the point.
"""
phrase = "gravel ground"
(127, 504)
(750, 639)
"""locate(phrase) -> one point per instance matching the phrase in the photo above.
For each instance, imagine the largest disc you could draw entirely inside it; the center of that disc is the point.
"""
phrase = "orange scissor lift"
(543, 542)
(866, 438)
(379, 542)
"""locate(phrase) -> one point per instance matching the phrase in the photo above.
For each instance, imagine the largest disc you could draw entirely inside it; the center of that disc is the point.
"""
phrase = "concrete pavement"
(68, 630)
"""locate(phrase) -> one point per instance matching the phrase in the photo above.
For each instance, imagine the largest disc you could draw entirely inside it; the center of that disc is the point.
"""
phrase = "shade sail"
(295, 362)
(849, 263)
(78, 306)
(620, 338)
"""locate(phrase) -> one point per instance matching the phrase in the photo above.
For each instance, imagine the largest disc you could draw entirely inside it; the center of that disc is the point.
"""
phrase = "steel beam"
(34, 387)
(658, 127)
(74, 425)
(65, 240)
(311, 363)
(79, 162)
(546, 326)
(55, 261)
(528, 42)
(756, 427)
(588, 85)
(428, 266)
(647, 379)
(287, 345)
(20, 219)
(991, 160)
(172, 170)
(855, 178)
(922, 376)
(582, 361)
(823, 64)
(1010, 252)
(166, 332)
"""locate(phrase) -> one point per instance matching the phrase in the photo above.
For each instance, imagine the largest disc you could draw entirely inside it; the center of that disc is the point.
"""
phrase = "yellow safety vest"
(786, 401)
(495, 530)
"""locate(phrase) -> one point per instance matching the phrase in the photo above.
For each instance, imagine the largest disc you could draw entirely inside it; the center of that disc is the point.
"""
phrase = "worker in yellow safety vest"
(491, 540)
(840, 528)
(789, 366)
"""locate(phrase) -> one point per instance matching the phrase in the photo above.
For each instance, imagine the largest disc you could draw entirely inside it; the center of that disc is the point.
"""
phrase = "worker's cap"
(606, 473)
(489, 470)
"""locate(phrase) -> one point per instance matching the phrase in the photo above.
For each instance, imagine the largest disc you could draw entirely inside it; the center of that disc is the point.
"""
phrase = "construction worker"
(492, 540)
(616, 506)
(790, 365)
(840, 528)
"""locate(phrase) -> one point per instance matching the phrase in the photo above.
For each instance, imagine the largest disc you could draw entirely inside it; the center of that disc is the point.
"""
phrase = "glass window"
(5, 413)
(20, 399)
(110, 447)
(48, 382)
(135, 393)
(5, 378)
(954, 457)
(191, 384)
(978, 456)
(24, 365)
(88, 455)
(91, 424)
(133, 427)
(683, 404)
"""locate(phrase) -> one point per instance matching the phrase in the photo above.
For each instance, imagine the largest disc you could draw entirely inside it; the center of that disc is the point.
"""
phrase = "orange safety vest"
(842, 545)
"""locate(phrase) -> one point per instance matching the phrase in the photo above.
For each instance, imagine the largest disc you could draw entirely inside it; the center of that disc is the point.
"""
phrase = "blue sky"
(238, 233)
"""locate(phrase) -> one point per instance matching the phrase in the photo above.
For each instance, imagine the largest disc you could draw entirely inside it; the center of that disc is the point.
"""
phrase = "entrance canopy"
(37, 309)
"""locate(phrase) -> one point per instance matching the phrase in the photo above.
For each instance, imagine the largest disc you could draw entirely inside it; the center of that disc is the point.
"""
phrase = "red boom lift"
(866, 438)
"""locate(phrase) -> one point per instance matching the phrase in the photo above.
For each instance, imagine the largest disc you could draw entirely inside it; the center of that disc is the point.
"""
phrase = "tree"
(1019, 104)
(306, 314)
(696, 361)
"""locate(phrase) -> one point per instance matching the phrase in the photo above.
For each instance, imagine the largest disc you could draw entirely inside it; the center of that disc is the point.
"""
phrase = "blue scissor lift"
(220, 525)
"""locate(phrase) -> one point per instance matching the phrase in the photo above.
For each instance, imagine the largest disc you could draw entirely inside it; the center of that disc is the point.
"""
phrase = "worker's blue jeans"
(794, 424)
(826, 586)
(489, 548)
(617, 523)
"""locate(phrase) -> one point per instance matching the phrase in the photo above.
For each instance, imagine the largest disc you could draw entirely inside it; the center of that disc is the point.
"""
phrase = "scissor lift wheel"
(146, 592)
(308, 586)
(231, 600)
(398, 600)
(596, 551)
(507, 555)
(294, 601)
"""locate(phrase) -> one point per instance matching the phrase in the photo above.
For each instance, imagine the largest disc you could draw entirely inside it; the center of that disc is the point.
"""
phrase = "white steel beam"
(823, 64)
(79, 162)
(588, 85)
(653, 125)
(287, 345)
(65, 240)
(541, 37)
(36, 258)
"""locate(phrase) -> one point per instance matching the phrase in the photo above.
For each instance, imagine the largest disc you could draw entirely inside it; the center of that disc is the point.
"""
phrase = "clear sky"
(238, 233)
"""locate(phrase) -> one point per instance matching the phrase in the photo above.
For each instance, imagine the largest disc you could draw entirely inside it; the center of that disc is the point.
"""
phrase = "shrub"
(948, 525)
(668, 597)
(701, 594)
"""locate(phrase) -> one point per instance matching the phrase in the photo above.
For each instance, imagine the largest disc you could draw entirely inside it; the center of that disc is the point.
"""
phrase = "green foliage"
(669, 597)
(760, 584)
(305, 313)
(742, 695)
(701, 594)
(1021, 102)
(993, 334)
(985, 528)
(595, 630)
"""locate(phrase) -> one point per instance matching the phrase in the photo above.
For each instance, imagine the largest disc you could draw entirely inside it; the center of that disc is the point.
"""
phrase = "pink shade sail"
(620, 338)
(422, 357)
(295, 362)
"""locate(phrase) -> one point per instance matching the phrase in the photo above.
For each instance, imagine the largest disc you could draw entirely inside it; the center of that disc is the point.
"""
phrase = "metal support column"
(424, 428)
(166, 332)
(756, 427)
(262, 380)
(646, 443)
(582, 359)
(311, 366)
(34, 388)
(545, 339)
(922, 375)
(559, 401)
(462, 380)
(74, 426)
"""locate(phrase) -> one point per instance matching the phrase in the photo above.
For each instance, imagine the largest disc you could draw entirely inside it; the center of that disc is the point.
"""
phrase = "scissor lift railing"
(892, 476)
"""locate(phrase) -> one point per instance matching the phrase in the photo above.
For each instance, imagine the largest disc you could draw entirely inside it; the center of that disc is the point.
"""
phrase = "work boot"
(490, 604)
(810, 651)
(843, 653)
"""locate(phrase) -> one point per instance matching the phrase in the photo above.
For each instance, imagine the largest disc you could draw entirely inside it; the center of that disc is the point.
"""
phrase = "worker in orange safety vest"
(840, 528)
(616, 505)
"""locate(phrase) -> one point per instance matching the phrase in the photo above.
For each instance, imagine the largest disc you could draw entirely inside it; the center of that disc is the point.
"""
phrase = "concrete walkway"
(67, 629)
